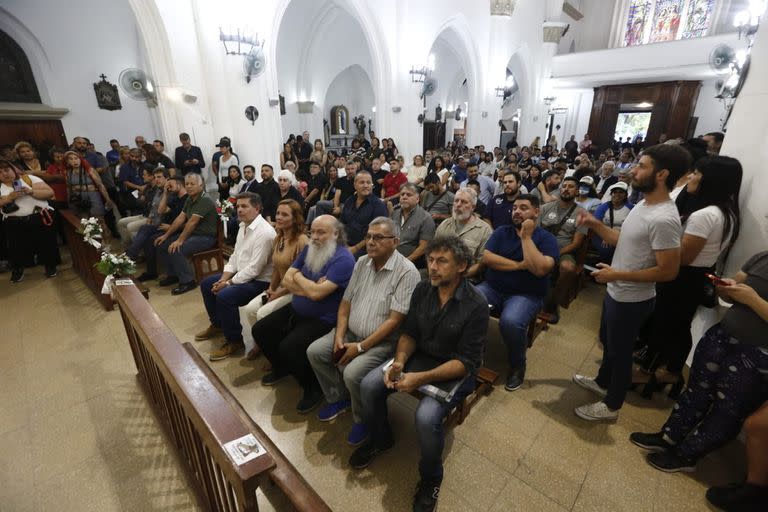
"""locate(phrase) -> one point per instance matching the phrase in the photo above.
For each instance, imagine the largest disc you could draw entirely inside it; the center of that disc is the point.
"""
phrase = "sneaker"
(331, 411)
(50, 271)
(272, 378)
(515, 379)
(597, 411)
(226, 350)
(651, 442)
(168, 281)
(309, 401)
(364, 455)
(590, 384)
(146, 276)
(744, 497)
(209, 332)
(426, 496)
(358, 435)
(670, 462)
(17, 275)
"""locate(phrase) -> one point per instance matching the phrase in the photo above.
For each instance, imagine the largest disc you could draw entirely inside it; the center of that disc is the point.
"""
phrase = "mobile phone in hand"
(717, 281)
(590, 268)
(17, 186)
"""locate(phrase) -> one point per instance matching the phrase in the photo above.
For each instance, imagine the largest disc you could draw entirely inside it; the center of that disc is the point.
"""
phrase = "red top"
(59, 188)
(393, 182)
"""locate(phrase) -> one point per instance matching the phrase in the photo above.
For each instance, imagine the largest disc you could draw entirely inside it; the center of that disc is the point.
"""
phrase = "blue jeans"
(137, 244)
(222, 307)
(619, 327)
(176, 264)
(517, 311)
(429, 417)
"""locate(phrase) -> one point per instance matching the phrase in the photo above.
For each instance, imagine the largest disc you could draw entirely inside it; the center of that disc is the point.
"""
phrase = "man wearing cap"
(188, 158)
(612, 214)
(559, 218)
(587, 198)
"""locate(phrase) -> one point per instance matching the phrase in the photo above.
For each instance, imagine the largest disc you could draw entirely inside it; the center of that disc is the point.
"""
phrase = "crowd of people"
(360, 274)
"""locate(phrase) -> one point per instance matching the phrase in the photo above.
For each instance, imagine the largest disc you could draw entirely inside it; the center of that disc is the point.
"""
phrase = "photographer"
(27, 220)
(87, 194)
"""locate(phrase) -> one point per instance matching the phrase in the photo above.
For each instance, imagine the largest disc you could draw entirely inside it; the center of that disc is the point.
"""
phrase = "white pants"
(127, 227)
(255, 311)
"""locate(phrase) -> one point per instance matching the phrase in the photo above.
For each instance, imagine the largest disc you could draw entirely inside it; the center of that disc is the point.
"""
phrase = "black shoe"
(50, 271)
(554, 317)
(184, 288)
(17, 275)
(515, 379)
(671, 463)
(744, 497)
(272, 378)
(426, 496)
(168, 281)
(651, 442)
(309, 401)
(364, 455)
(146, 276)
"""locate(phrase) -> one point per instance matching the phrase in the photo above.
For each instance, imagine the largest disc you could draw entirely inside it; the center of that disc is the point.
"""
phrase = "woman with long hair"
(28, 159)
(289, 242)
(288, 155)
(318, 155)
(230, 184)
(709, 212)
(87, 195)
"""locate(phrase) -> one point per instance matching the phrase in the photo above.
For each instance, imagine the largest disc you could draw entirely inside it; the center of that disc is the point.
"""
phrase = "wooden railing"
(84, 257)
(201, 416)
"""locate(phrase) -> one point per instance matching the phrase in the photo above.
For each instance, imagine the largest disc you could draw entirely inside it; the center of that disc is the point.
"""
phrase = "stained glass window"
(653, 21)
(636, 21)
(699, 18)
(666, 20)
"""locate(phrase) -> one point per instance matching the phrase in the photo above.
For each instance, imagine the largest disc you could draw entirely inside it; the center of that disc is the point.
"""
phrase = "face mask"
(583, 191)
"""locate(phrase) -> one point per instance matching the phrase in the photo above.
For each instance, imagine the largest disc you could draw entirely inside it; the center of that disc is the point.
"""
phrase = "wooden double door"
(43, 134)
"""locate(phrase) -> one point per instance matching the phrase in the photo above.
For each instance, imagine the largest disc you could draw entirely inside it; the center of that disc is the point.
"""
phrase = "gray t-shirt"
(550, 216)
(647, 228)
(441, 206)
(741, 321)
(417, 227)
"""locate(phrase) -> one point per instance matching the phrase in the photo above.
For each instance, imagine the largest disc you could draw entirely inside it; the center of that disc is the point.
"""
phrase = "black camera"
(10, 208)
(81, 203)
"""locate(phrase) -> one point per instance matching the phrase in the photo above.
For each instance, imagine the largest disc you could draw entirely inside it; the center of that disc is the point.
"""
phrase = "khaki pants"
(255, 311)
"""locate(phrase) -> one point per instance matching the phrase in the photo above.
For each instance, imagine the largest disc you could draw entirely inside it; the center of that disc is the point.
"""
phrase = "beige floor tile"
(475, 478)
(23, 502)
(518, 496)
(16, 466)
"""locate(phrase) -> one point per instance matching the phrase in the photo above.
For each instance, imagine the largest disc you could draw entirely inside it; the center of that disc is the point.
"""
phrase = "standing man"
(417, 228)
(373, 307)
(113, 155)
(499, 212)
(247, 273)
(442, 343)
(188, 158)
(359, 210)
(647, 252)
(571, 148)
(304, 152)
(269, 191)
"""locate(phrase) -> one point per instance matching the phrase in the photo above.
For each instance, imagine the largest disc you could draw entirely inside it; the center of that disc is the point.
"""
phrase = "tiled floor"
(76, 433)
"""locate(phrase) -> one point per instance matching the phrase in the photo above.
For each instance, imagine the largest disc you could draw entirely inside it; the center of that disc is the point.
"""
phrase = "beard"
(317, 257)
(461, 217)
(517, 222)
(645, 185)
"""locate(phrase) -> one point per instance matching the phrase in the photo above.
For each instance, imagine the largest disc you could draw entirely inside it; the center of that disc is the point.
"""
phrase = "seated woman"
(27, 221)
(286, 182)
(290, 241)
(87, 195)
(612, 214)
(417, 172)
(230, 185)
(728, 376)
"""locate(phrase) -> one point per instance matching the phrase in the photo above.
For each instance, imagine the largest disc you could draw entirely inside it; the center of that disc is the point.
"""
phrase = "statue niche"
(339, 120)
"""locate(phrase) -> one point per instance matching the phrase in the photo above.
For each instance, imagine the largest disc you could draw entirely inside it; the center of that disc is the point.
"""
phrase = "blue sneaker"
(331, 411)
(358, 435)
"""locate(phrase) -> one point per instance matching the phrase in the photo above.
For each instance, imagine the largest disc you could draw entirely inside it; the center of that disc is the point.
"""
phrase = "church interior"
(110, 401)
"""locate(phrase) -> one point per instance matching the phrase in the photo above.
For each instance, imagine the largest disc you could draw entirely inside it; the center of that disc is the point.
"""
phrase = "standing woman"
(56, 177)
(290, 241)
(709, 213)
(87, 195)
(288, 155)
(28, 159)
(318, 155)
(27, 221)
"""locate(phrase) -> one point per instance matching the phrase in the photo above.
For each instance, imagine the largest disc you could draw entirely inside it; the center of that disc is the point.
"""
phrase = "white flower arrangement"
(225, 209)
(92, 233)
(111, 264)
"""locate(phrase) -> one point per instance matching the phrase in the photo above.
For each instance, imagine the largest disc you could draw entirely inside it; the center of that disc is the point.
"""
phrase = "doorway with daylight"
(632, 125)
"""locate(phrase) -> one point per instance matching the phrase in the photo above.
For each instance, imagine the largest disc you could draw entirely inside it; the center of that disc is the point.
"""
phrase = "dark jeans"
(151, 252)
(223, 307)
(177, 264)
(284, 337)
(728, 382)
(517, 311)
(429, 417)
(619, 325)
(670, 340)
(139, 242)
(27, 236)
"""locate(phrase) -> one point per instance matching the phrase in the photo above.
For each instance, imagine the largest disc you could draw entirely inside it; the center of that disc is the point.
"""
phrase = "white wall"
(69, 44)
(592, 32)
(709, 109)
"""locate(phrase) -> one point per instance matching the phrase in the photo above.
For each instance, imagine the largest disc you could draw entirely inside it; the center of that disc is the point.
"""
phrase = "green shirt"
(205, 208)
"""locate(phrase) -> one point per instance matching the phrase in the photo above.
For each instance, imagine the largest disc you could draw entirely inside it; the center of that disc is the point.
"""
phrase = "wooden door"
(434, 135)
(41, 134)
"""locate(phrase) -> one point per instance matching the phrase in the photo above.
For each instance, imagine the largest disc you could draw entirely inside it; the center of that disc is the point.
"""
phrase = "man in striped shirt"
(374, 305)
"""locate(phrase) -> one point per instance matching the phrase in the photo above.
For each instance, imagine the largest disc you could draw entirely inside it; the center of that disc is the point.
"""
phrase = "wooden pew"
(210, 262)
(200, 416)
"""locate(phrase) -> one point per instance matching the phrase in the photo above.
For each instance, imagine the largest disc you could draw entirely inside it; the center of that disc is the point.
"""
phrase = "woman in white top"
(417, 172)
(709, 213)
(226, 160)
(27, 220)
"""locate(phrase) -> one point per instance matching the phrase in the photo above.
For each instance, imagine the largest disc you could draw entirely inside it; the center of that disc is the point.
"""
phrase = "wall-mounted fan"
(721, 58)
(254, 63)
(138, 86)
(428, 88)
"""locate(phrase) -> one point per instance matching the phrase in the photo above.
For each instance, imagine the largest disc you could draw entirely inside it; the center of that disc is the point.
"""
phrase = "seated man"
(317, 280)
(127, 227)
(519, 258)
(487, 185)
(442, 343)
(468, 227)
(359, 210)
(499, 212)
(559, 218)
(193, 230)
(247, 273)
(436, 200)
(374, 305)
(547, 189)
(416, 226)
(172, 201)
(147, 224)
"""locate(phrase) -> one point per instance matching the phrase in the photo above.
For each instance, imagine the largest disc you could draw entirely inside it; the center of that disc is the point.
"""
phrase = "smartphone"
(716, 280)
(590, 268)
(17, 186)
(264, 299)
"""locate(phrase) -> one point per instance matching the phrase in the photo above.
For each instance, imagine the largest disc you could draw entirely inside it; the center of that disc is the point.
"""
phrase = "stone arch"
(36, 57)
(518, 66)
(455, 32)
(359, 102)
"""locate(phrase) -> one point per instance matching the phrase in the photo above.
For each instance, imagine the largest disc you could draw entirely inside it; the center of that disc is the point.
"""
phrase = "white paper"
(244, 449)
(123, 282)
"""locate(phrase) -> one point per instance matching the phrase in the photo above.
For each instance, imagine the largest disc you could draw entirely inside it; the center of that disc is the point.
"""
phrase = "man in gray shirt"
(374, 305)
(436, 200)
(416, 226)
(647, 252)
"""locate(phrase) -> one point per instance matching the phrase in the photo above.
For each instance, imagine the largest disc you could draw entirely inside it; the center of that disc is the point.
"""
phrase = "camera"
(81, 203)
(10, 208)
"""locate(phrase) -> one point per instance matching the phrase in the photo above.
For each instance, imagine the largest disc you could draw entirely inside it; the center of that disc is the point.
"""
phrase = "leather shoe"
(168, 281)
(146, 276)
(184, 288)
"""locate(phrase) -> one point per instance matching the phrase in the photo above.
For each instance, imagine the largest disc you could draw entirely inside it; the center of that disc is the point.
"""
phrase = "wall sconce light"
(419, 74)
(242, 41)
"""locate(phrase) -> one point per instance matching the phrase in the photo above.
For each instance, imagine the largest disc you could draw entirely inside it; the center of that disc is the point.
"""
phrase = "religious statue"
(360, 124)
(438, 113)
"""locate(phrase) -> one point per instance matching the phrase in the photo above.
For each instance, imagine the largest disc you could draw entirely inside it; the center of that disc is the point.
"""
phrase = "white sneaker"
(597, 411)
(590, 384)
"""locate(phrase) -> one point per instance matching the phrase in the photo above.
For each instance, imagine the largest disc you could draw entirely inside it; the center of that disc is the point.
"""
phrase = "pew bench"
(211, 261)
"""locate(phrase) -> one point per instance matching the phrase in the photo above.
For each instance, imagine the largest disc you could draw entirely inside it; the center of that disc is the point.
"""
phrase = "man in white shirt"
(246, 274)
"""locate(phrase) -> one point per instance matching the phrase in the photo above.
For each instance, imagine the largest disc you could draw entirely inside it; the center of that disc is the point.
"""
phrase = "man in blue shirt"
(499, 211)
(459, 170)
(113, 155)
(487, 186)
(359, 210)
(519, 258)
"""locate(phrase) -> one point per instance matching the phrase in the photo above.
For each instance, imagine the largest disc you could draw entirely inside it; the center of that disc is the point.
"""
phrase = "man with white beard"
(317, 280)
(464, 224)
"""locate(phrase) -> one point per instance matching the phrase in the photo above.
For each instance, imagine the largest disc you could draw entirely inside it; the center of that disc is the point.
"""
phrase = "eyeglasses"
(377, 238)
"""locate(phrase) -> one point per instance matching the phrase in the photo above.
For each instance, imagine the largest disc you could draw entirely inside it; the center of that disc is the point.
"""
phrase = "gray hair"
(470, 192)
(386, 221)
(609, 163)
(409, 186)
(455, 245)
(195, 176)
(287, 174)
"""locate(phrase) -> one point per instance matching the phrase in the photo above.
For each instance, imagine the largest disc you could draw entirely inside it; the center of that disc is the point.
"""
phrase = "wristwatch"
(360, 348)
